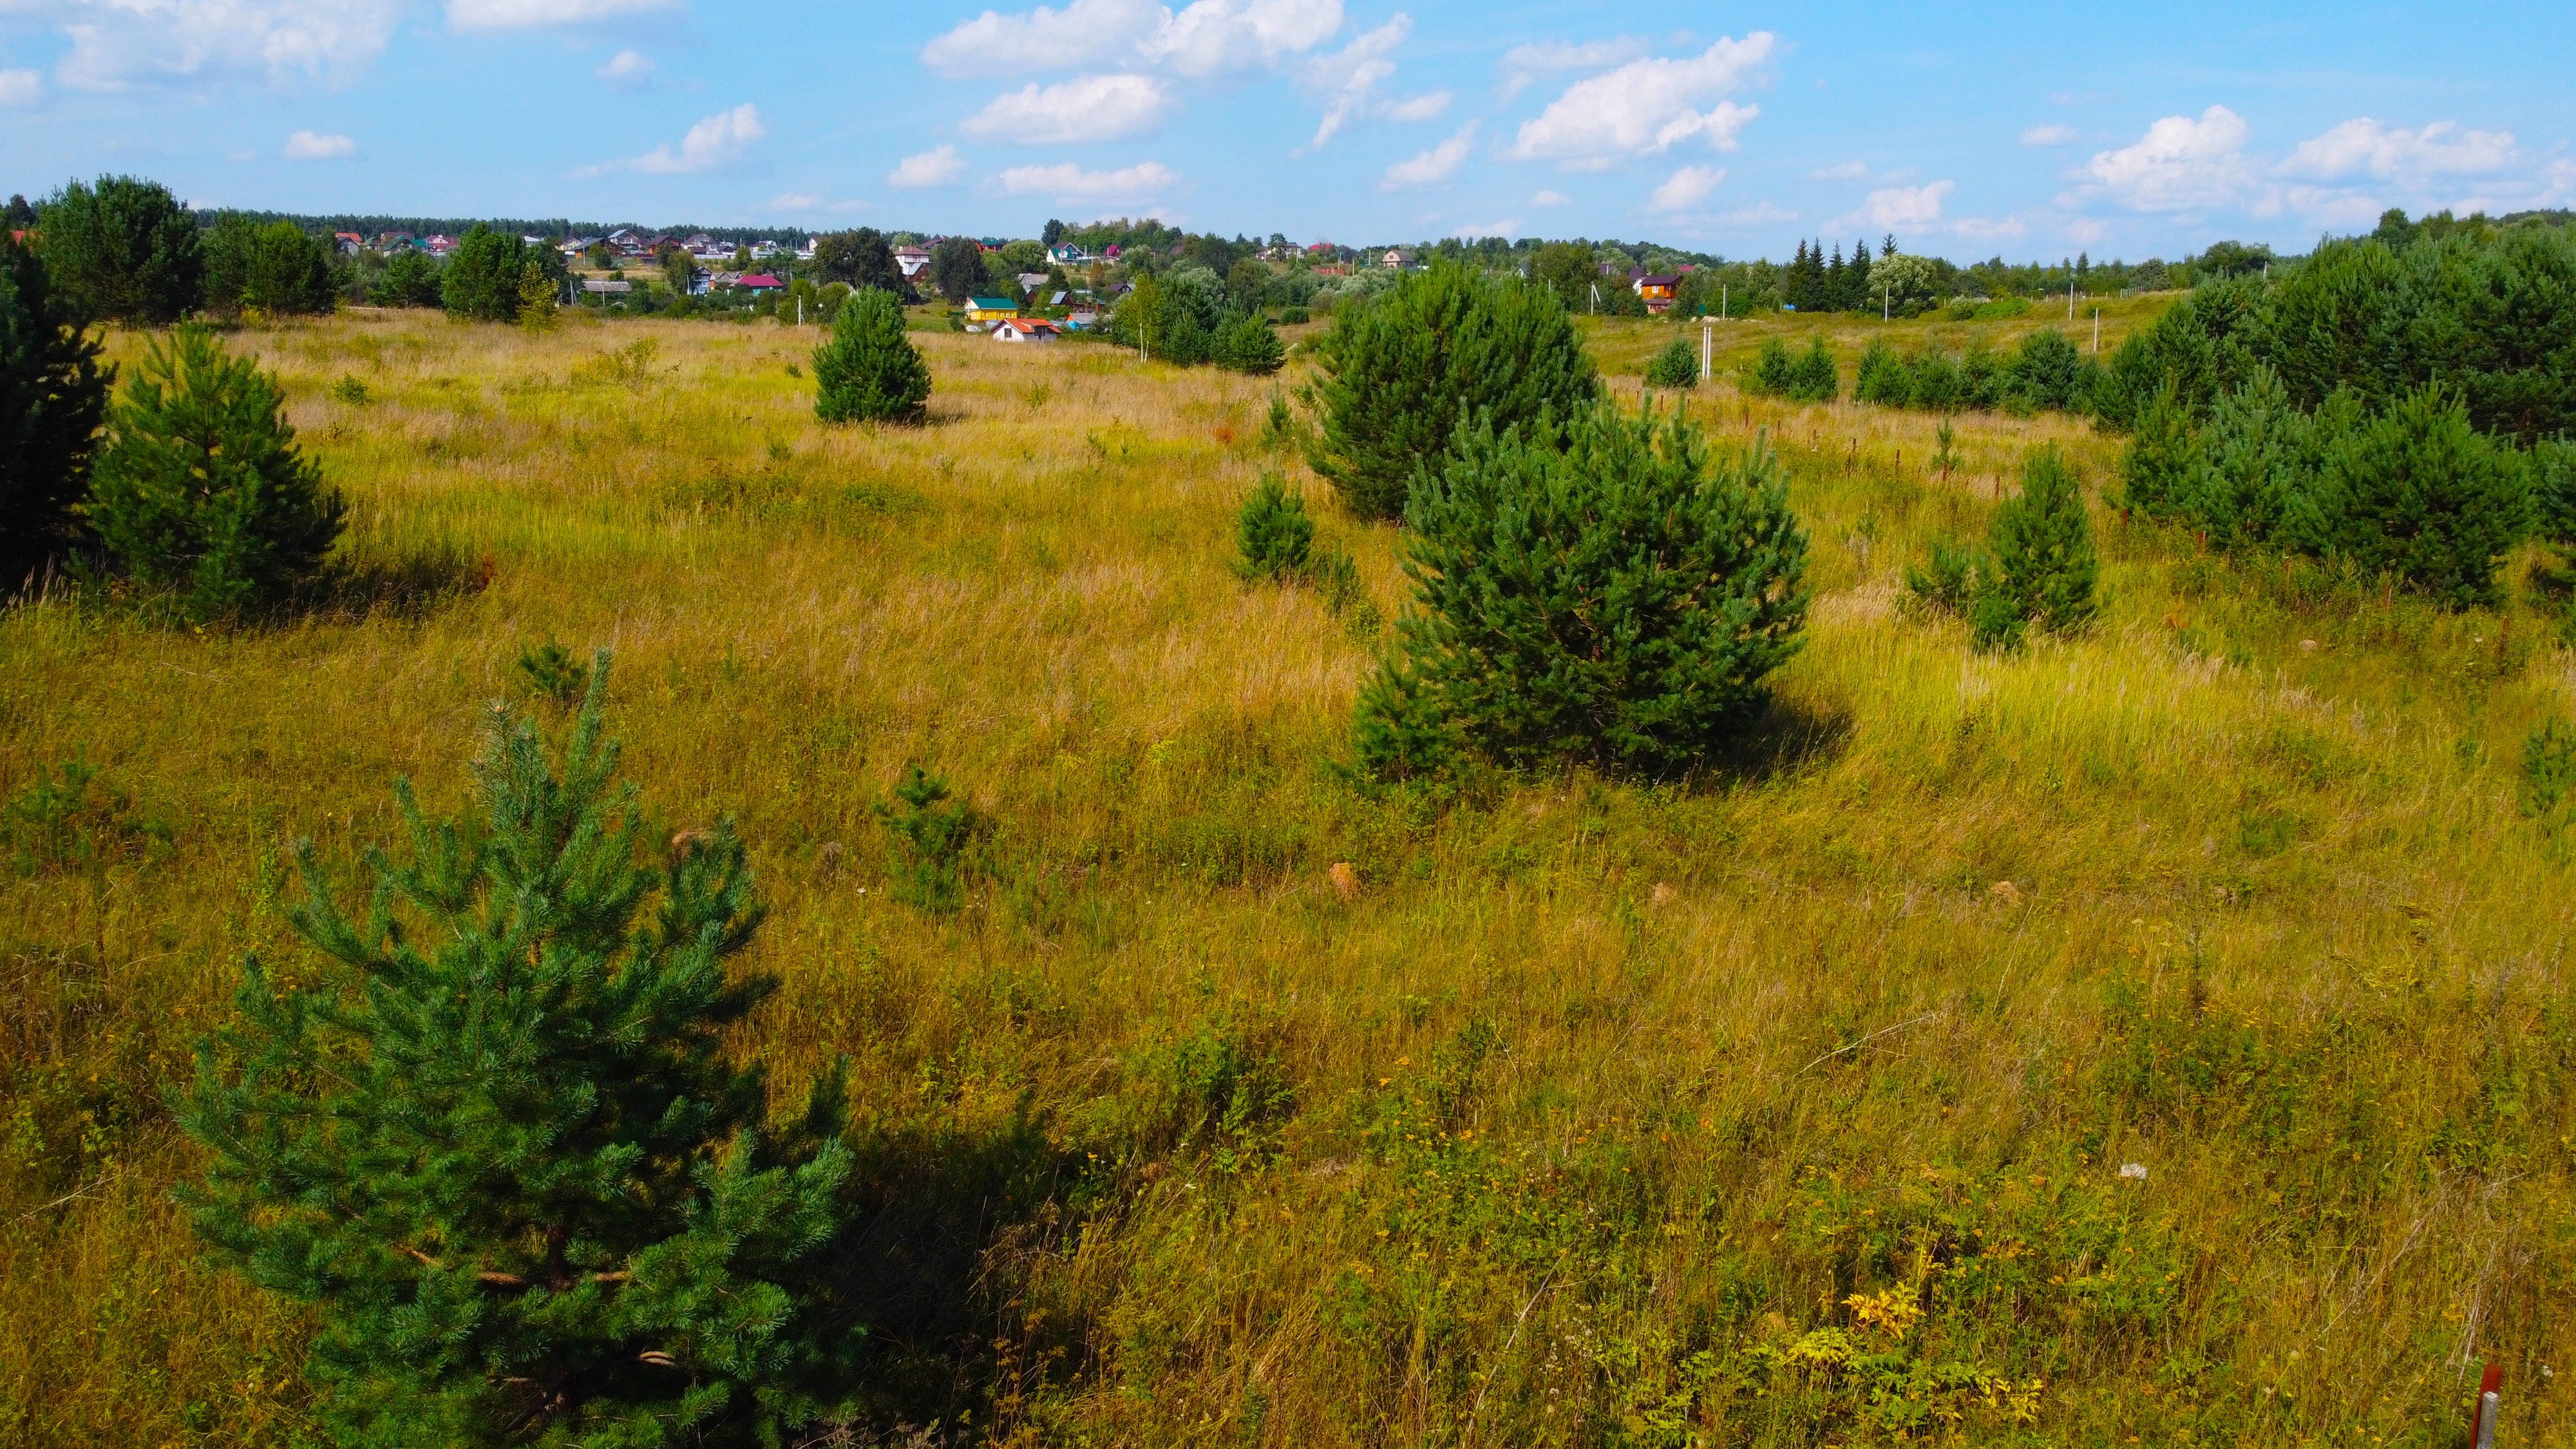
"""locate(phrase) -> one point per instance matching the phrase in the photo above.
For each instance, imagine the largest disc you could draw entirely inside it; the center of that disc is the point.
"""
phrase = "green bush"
(2162, 458)
(481, 279)
(1588, 591)
(1247, 345)
(1771, 372)
(1677, 365)
(278, 269)
(1883, 378)
(928, 840)
(53, 397)
(2043, 570)
(124, 250)
(1949, 582)
(2419, 493)
(502, 1143)
(867, 370)
(201, 489)
(2048, 372)
(1272, 534)
(1814, 378)
(410, 280)
(1397, 376)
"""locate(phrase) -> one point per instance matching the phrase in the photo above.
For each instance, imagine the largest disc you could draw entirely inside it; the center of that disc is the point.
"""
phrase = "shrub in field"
(53, 397)
(124, 250)
(552, 673)
(1272, 534)
(1592, 590)
(410, 280)
(1247, 345)
(2162, 458)
(201, 489)
(1883, 378)
(1771, 370)
(868, 370)
(2048, 372)
(1947, 583)
(2419, 493)
(2043, 570)
(481, 279)
(279, 269)
(537, 298)
(1397, 376)
(502, 1148)
(1677, 365)
(1814, 378)
(928, 839)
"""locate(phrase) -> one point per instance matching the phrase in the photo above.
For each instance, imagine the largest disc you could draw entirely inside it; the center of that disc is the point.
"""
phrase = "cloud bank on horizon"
(1952, 129)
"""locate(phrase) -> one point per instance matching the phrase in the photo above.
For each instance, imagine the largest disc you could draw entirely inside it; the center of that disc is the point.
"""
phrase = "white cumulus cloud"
(1214, 37)
(1068, 182)
(2048, 135)
(2181, 164)
(1475, 229)
(1086, 108)
(21, 87)
(1906, 206)
(536, 14)
(939, 166)
(710, 143)
(1421, 108)
(628, 69)
(1847, 171)
(1645, 106)
(2365, 147)
(120, 43)
(1551, 198)
(310, 146)
(1686, 188)
(1432, 167)
(1349, 78)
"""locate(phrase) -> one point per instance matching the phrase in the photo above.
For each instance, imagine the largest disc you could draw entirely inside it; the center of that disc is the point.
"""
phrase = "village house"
(1025, 329)
(1659, 290)
(1399, 257)
(981, 310)
(912, 260)
(1066, 254)
(349, 243)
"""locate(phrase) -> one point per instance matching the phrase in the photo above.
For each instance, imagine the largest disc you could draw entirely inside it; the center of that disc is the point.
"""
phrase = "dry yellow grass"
(1588, 1078)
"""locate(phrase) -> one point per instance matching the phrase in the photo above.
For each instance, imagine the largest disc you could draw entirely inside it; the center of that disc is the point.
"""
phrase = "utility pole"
(1707, 339)
(2097, 329)
(1721, 301)
(1882, 302)
(2070, 296)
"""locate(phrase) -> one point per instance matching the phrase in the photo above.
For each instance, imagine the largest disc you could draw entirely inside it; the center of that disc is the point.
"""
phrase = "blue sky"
(1966, 130)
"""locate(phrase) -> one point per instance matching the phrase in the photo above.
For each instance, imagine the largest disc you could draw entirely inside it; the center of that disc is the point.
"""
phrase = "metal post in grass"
(2482, 1419)
(1707, 340)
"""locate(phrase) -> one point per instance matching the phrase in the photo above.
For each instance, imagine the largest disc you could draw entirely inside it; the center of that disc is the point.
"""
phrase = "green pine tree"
(2420, 494)
(1883, 378)
(53, 397)
(499, 1143)
(1247, 345)
(1273, 537)
(1677, 365)
(1814, 378)
(1592, 591)
(868, 371)
(1772, 370)
(2043, 570)
(1396, 375)
(202, 490)
(481, 279)
(2163, 457)
(124, 250)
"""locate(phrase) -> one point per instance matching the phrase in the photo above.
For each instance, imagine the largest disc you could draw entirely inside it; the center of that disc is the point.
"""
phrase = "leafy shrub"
(1294, 317)
(351, 391)
(868, 370)
(2043, 570)
(202, 490)
(1397, 377)
(1589, 590)
(608, 1204)
(1677, 365)
(53, 396)
(928, 840)
(1814, 378)
(1272, 533)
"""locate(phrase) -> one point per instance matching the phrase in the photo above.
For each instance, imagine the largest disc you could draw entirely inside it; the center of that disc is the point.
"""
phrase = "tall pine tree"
(53, 396)
(868, 371)
(498, 1140)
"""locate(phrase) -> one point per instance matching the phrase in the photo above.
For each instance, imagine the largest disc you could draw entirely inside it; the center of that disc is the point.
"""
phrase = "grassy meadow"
(1788, 1106)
